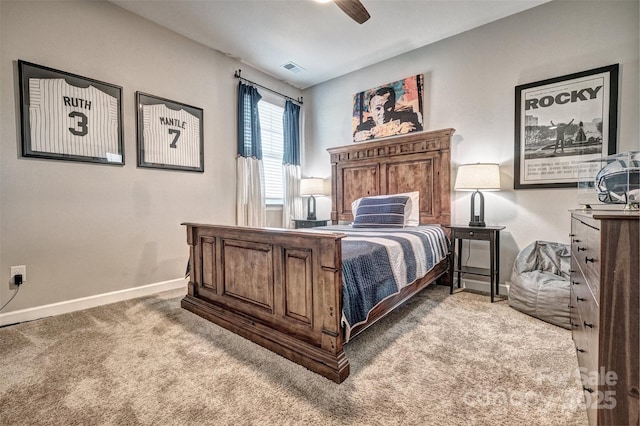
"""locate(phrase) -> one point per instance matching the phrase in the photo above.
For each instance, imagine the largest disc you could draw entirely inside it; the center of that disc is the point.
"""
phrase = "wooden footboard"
(279, 288)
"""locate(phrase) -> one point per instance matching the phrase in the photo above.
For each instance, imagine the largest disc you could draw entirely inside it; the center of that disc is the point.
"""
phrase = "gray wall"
(469, 84)
(87, 229)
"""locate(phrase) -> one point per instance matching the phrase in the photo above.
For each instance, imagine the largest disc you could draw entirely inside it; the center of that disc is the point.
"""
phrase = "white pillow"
(411, 211)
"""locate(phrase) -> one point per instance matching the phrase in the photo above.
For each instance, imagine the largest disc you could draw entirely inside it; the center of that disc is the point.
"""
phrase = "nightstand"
(304, 223)
(485, 233)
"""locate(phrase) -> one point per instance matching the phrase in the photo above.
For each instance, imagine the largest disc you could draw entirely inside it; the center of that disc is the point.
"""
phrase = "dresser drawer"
(587, 307)
(585, 248)
(589, 385)
(577, 275)
(579, 237)
(586, 325)
(578, 334)
(587, 355)
(589, 328)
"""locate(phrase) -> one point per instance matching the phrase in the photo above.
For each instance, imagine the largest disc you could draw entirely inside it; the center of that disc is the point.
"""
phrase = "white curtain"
(292, 206)
(250, 199)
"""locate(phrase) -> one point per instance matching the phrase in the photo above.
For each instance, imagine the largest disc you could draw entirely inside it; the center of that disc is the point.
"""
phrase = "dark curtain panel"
(249, 140)
(291, 122)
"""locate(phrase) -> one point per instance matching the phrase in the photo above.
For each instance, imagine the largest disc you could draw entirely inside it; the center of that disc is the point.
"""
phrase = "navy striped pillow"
(387, 212)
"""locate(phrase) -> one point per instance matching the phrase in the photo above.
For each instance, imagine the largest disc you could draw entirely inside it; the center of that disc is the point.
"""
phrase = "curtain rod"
(238, 76)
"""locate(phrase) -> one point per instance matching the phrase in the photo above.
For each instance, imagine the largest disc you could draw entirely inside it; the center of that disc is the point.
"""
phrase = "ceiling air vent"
(293, 67)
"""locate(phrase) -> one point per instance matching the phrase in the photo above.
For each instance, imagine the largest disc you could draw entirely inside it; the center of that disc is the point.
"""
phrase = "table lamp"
(313, 187)
(476, 177)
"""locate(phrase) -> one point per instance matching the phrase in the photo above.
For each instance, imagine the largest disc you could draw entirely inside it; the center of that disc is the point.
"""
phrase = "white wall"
(470, 84)
(86, 229)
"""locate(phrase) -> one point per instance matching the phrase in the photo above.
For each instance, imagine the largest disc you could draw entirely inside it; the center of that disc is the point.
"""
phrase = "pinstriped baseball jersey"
(171, 137)
(72, 120)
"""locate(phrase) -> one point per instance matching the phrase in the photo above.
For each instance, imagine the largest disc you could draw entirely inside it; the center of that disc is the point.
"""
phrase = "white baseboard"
(484, 286)
(59, 308)
(67, 306)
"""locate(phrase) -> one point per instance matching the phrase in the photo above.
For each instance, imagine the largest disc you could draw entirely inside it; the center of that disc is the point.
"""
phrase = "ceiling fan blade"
(354, 9)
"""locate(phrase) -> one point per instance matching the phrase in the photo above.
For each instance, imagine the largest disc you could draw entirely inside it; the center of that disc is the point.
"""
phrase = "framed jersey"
(170, 134)
(69, 117)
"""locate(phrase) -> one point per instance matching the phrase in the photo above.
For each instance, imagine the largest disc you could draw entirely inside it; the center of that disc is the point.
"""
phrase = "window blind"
(272, 149)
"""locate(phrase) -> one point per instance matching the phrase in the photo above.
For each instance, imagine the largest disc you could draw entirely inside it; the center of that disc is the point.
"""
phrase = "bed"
(283, 288)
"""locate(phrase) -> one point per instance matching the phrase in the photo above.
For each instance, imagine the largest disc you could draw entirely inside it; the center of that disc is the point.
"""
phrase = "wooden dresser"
(605, 253)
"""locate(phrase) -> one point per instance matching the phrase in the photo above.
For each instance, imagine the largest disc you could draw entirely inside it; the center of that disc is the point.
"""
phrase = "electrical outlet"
(19, 270)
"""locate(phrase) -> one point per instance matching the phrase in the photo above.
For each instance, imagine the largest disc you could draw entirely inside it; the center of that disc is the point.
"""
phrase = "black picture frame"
(170, 134)
(69, 117)
(584, 106)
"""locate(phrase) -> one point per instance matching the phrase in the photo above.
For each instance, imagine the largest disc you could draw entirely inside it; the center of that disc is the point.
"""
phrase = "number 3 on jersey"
(81, 125)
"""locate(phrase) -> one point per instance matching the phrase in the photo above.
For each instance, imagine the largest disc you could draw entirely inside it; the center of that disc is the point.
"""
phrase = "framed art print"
(563, 123)
(391, 109)
(170, 134)
(69, 117)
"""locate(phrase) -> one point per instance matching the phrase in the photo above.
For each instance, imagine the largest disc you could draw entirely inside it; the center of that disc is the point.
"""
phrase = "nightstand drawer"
(304, 223)
(471, 234)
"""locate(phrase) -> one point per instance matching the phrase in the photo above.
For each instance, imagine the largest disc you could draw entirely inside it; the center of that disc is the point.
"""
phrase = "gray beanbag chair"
(540, 282)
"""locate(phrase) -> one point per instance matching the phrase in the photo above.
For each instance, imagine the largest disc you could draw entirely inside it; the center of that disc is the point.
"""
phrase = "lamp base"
(311, 208)
(477, 219)
(478, 224)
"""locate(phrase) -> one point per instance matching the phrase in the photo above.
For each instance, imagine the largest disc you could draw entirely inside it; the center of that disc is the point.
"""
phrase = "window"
(272, 149)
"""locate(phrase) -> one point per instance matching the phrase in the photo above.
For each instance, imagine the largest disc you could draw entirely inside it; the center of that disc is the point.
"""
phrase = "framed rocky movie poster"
(561, 125)
(391, 109)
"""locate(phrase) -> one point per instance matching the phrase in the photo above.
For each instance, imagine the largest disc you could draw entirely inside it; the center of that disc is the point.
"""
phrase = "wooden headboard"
(415, 162)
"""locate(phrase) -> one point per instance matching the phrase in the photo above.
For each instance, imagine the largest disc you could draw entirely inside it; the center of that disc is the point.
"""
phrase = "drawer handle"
(572, 235)
(580, 350)
(575, 282)
(577, 241)
(582, 248)
(580, 299)
(586, 324)
(571, 307)
(589, 259)
(587, 389)
(574, 325)
(471, 233)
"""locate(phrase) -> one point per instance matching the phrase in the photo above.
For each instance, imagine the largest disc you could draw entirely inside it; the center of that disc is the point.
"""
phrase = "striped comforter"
(377, 263)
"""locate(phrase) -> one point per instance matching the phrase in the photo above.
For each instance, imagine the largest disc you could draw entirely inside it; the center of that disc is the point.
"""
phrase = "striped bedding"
(378, 263)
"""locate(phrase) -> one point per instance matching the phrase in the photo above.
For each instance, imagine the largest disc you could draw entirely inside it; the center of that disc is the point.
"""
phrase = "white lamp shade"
(312, 186)
(484, 176)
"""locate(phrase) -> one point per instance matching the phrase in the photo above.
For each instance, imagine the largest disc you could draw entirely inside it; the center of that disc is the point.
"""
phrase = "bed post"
(330, 283)
(191, 286)
(334, 194)
(444, 179)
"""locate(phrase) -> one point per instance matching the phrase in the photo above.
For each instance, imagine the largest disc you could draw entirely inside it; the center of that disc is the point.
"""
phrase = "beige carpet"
(438, 360)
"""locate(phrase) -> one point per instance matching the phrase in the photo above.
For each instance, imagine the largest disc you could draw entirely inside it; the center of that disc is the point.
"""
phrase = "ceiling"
(319, 37)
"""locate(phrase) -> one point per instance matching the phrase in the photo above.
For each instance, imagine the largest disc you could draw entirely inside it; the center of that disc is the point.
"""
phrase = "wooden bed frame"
(282, 288)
